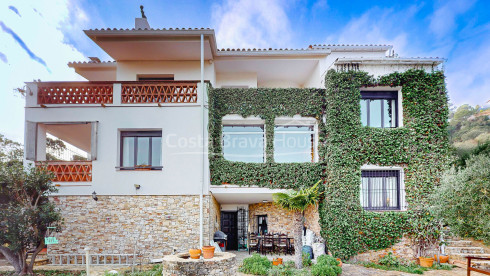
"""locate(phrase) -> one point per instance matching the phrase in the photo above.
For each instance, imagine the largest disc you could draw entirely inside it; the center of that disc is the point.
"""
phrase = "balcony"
(46, 94)
(69, 171)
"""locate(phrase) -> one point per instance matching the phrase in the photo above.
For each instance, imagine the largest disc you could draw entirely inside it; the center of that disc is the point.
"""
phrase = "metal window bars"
(381, 190)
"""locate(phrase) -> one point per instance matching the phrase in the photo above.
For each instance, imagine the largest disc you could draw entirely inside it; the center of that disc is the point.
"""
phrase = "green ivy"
(420, 147)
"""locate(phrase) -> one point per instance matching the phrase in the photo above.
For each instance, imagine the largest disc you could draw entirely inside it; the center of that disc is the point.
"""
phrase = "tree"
(10, 151)
(298, 202)
(463, 198)
(26, 214)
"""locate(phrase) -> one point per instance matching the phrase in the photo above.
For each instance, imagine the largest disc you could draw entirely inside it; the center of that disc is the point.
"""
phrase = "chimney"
(141, 23)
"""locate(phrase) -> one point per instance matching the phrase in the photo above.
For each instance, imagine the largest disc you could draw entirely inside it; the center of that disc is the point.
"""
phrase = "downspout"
(201, 232)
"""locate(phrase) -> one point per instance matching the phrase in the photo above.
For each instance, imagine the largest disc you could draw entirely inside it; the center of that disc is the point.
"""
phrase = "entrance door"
(229, 227)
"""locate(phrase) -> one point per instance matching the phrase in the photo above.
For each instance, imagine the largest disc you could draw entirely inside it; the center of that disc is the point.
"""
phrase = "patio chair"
(282, 244)
(253, 242)
(291, 245)
(267, 244)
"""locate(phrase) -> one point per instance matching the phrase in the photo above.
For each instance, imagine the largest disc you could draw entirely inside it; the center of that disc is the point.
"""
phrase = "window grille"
(380, 190)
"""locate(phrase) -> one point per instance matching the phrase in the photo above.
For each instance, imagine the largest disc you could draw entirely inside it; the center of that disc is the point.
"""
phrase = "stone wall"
(281, 220)
(215, 217)
(114, 224)
(401, 249)
(312, 218)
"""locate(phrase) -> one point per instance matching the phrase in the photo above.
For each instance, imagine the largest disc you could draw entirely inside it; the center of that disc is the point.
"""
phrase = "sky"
(39, 37)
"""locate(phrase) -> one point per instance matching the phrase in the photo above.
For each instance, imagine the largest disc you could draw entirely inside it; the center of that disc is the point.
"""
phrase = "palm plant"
(298, 202)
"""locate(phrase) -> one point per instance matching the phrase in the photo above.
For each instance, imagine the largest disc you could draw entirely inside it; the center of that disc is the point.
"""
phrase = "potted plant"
(208, 252)
(195, 253)
(442, 259)
(143, 167)
(424, 232)
(426, 261)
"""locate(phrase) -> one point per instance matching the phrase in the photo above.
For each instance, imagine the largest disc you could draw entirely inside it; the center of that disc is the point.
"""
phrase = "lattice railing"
(174, 92)
(79, 171)
(74, 93)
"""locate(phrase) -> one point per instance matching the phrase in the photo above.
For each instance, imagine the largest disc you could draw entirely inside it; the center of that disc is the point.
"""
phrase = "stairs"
(458, 249)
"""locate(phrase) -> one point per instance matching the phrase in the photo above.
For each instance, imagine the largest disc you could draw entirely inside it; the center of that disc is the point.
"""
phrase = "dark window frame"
(137, 134)
(380, 95)
(384, 174)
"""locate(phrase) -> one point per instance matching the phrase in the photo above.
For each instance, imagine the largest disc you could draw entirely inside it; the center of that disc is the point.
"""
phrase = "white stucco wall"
(245, 79)
(182, 70)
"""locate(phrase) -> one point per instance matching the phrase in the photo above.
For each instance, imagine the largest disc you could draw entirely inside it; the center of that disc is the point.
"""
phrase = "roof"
(392, 60)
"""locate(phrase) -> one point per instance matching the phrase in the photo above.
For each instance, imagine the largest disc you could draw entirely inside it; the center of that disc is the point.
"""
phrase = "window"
(380, 190)
(141, 150)
(294, 144)
(243, 143)
(379, 109)
(262, 224)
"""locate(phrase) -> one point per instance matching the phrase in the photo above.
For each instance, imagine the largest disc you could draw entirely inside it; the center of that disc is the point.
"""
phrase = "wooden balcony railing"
(74, 93)
(69, 171)
(159, 92)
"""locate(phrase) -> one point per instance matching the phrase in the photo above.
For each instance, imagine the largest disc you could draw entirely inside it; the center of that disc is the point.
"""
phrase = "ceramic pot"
(442, 258)
(426, 262)
(195, 253)
(208, 252)
(340, 261)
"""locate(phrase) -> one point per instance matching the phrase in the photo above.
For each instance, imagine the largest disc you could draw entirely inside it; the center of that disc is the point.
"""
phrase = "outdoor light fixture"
(264, 201)
(137, 186)
(94, 196)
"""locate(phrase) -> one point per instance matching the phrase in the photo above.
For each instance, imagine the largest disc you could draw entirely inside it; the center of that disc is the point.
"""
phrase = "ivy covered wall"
(420, 147)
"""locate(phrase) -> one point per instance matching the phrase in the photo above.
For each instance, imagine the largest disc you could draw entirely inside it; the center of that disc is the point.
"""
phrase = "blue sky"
(38, 37)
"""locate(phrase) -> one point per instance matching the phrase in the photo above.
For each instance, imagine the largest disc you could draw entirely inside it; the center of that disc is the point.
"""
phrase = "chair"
(267, 244)
(282, 244)
(253, 242)
(291, 245)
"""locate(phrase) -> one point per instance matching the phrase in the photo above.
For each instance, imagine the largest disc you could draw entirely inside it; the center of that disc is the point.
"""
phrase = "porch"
(245, 211)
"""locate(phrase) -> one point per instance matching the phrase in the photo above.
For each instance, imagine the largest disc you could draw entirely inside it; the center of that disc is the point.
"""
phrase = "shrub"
(256, 265)
(306, 259)
(389, 260)
(326, 266)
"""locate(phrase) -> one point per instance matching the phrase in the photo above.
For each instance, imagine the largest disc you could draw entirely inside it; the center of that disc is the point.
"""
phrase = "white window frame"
(298, 120)
(398, 90)
(238, 120)
(403, 201)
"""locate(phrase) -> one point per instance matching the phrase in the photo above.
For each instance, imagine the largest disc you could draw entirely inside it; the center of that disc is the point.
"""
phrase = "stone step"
(460, 243)
(461, 256)
(468, 250)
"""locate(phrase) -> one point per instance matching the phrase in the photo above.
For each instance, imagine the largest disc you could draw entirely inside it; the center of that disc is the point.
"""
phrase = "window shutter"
(93, 142)
(30, 140)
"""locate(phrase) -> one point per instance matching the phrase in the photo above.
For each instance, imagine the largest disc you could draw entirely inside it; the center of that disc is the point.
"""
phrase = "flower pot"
(195, 253)
(442, 258)
(340, 261)
(426, 262)
(277, 261)
(208, 252)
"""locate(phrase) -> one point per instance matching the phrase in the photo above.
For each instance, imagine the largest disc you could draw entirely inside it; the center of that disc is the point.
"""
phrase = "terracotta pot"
(426, 262)
(340, 261)
(208, 252)
(275, 262)
(279, 260)
(195, 253)
(442, 258)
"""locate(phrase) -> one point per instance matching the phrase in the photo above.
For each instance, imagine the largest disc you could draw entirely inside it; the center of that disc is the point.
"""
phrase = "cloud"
(3, 57)
(36, 39)
(14, 9)
(251, 24)
(23, 45)
(375, 26)
(443, 20)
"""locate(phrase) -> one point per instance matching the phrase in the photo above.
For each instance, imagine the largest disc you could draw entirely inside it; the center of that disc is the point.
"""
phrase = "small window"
(262, 224)
(294, 144)
(379, 109)
(141, 150)
(380, 190)
(244, 143)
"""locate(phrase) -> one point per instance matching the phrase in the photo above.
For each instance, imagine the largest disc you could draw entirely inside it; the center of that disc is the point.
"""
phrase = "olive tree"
(25, 213)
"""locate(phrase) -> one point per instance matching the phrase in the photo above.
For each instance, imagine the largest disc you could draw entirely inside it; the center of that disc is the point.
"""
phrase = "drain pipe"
(201, 232)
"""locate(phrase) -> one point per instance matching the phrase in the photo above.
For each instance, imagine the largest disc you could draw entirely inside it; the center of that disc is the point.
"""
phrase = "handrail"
(69, 171)
(470, 268)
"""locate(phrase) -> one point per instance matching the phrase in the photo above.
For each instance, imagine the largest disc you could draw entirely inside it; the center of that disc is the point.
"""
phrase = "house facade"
(153, 148)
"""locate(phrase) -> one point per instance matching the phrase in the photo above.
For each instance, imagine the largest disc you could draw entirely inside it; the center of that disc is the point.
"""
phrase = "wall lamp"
(94, 196)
